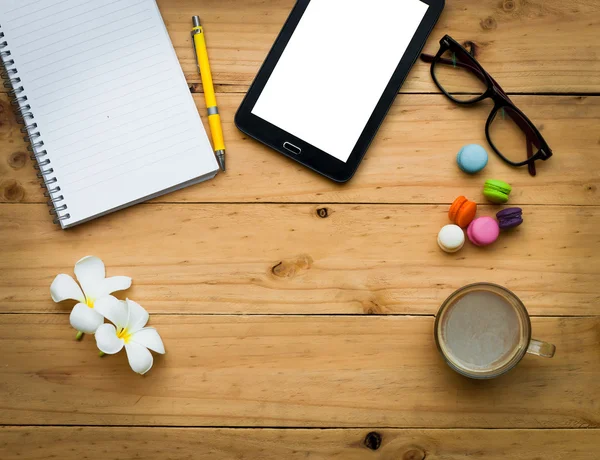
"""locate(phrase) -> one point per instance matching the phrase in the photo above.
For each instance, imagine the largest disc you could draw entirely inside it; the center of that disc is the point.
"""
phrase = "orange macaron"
(462, 211)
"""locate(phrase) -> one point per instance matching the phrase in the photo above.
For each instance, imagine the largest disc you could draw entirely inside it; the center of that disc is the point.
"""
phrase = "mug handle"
(539, 348)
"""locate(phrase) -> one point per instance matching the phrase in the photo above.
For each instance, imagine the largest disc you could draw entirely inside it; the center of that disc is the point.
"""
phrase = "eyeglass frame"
(498, 96)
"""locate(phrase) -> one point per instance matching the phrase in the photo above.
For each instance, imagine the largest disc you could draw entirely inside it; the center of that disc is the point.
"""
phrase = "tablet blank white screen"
(335, 68)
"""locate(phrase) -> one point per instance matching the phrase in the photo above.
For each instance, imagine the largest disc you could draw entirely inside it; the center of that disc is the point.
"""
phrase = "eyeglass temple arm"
(524, 126)
(531, 164)
(457, 63)
(474, 69)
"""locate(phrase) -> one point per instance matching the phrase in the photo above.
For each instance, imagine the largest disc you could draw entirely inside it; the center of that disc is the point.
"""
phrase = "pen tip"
(196, 21)
(220, 154)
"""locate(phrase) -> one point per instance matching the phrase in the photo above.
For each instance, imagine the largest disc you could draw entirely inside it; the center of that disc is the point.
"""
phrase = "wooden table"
(297, 314)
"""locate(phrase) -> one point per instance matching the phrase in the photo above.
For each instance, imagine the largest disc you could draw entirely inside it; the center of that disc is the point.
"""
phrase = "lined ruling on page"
(109, 98)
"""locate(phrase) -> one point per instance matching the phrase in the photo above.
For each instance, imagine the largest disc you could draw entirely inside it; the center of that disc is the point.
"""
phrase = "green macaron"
(496, 191)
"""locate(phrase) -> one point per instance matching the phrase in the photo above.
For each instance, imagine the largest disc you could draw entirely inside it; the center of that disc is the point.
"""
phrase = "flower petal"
(138, 316)
(85, 319)
(140, 359)
(64, 287)
(149, 338)
(90, 272)
(107, 340)
(112, 284)
(112, 309)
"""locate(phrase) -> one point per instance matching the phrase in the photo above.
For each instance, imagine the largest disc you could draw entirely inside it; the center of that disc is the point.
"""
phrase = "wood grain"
(255, 298)
(42, 443)
(263, 258)
(411, 161)
(528, 46)
(292, 372)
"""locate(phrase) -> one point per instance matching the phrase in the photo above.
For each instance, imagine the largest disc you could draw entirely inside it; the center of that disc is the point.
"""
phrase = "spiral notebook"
(104, 103)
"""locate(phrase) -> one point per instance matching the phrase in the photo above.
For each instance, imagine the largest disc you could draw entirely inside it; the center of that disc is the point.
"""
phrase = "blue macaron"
(472, 158)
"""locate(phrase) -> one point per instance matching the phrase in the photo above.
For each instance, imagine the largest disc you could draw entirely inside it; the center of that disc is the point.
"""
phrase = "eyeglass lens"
(459, 77)
(510, 134)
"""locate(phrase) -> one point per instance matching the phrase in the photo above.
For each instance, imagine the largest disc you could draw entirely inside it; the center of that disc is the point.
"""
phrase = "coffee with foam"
(481, 331)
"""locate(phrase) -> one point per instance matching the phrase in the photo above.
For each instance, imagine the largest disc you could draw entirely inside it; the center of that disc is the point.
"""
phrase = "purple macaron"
(510, 218)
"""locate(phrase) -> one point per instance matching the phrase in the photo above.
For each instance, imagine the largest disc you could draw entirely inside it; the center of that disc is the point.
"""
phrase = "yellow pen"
(214, 120)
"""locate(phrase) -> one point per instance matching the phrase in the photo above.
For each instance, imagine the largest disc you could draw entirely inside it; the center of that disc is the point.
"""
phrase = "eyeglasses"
(508, 130)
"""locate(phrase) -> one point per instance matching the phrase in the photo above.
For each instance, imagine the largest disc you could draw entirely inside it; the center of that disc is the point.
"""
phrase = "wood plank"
(533, 46)
(292, 371)
(262, 258)
(411, 161)
(42, 443)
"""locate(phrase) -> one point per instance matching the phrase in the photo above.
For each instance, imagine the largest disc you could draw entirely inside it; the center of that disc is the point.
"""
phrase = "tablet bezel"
(311, 156)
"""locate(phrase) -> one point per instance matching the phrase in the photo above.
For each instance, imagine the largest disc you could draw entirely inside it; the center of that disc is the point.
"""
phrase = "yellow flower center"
(124, 334)
(89, 302)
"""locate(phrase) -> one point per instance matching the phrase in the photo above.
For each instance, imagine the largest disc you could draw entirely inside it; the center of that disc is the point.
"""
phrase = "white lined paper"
(93, 162)
(85, 30)
(110, 101)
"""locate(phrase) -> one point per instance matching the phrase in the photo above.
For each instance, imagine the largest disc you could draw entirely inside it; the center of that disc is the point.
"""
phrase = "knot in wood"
(508, 5)
(291, 267)
(414, 454)
(194, 88)
(488, 23)
(373, 440)
(323, 213)
(12, 191)
(17, 160)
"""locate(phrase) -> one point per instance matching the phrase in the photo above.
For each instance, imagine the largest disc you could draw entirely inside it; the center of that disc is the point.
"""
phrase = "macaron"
(462, 211)
(509, 218)
(472, 158)
(496, 191)
(483, 231)
(451, 238)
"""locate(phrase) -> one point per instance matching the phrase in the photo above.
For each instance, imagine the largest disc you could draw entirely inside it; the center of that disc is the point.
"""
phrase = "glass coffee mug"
(483, 331)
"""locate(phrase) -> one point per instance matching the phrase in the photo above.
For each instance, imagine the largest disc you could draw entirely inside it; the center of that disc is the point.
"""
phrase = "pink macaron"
(483, 231)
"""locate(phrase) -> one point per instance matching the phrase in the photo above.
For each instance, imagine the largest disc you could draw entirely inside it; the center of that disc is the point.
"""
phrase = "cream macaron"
(451, 238)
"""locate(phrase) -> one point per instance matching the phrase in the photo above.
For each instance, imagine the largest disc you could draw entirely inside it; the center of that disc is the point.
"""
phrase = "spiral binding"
(26, 118)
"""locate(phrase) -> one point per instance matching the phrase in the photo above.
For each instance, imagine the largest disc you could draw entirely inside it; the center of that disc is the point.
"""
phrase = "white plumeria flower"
(91, 274)
(129, 319)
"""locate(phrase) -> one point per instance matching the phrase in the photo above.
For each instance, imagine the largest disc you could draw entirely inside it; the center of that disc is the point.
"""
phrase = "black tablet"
(331, 76)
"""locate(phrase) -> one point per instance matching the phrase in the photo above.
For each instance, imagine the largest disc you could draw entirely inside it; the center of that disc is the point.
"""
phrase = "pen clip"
(195, 32)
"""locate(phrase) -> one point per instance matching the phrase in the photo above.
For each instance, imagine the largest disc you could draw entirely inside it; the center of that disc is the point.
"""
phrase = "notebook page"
(109, 97)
